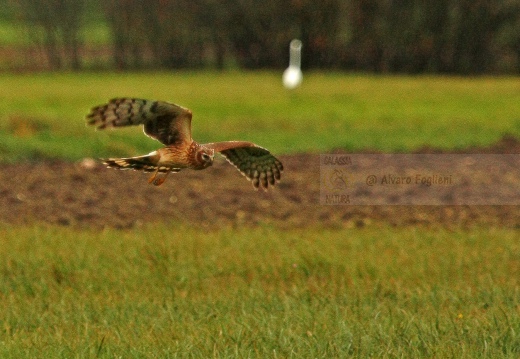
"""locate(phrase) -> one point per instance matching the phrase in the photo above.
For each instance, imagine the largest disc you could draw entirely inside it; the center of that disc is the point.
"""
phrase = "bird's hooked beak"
(206, 157)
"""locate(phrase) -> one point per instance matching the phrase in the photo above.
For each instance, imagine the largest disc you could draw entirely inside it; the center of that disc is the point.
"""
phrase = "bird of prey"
(170, 124)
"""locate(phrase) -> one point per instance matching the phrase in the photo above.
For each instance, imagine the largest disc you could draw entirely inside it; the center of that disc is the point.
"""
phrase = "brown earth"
(86, 194)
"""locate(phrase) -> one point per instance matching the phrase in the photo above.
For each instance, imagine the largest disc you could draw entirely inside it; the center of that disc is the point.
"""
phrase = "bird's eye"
(205, 157)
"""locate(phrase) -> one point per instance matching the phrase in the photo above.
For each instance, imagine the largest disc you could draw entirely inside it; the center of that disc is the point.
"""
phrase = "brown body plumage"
(171, 125)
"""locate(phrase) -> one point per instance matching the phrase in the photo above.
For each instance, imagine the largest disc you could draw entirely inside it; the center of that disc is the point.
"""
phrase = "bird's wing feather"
(166, 122)
(253, 161)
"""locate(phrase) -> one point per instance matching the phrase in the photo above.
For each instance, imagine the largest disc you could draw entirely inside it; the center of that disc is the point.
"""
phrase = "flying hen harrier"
(171, 125)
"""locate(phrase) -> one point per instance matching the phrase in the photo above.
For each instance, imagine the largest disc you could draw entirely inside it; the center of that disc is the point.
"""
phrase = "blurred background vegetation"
(385, 36)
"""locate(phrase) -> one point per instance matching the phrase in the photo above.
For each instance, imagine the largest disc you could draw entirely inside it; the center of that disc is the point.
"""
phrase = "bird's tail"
(147, 163)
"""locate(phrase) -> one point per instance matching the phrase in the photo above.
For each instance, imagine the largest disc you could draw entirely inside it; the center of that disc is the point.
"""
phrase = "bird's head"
(204, 157)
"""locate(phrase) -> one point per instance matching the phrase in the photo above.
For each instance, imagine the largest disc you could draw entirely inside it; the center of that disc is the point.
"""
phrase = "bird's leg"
(152, 179)
(158, 181)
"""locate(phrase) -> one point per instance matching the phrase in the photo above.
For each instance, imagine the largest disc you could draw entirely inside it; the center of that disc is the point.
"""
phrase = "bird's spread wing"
(163, 121)
(254, 162)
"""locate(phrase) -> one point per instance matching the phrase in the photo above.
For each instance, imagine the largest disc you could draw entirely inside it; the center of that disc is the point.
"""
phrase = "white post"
(292, 76)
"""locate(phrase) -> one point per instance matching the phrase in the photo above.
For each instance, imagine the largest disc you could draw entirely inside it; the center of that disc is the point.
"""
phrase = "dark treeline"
(412, 36)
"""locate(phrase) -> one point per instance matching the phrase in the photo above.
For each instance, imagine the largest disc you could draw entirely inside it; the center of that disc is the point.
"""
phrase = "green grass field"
(170, 290)
(167, 291)
(42, 116)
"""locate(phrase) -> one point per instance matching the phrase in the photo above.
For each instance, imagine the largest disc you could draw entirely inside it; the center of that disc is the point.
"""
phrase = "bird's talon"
(158, 181)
